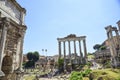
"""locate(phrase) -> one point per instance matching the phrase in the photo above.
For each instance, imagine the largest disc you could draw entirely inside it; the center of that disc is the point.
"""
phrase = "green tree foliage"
(89, 53)
(79, 75)
(97, 46)
(32, 58)
(35, 56)
(76, 76)
(103, 48)
(30, 64)
(61, 64)
(29, 56)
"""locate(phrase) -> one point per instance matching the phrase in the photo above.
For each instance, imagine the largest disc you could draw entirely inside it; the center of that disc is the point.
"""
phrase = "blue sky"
(49, 19)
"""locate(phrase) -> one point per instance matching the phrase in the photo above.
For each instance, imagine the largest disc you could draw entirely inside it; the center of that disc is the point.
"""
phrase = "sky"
(47, 20)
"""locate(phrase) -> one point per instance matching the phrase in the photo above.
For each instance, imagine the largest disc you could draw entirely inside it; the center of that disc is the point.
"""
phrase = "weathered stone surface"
(12, 30)
(114, 44)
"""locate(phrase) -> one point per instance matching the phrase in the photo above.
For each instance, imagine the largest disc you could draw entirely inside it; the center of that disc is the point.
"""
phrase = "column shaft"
(2, 46)
(85, 49)
(108, 35)
(70, 58)
(18, 52)
(64, 56)
(81, 55)
(21, 52)
(59, 48)
(69, 49)
(75, 49)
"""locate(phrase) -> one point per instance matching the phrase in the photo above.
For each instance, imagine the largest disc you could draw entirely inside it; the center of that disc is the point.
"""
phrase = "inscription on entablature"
(11, 9)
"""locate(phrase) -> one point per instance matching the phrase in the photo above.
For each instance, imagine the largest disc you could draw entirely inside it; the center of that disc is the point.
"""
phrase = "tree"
(32, 58)
(89, 53)
(35, 56)
(29, 56)
(103, 48)
(61, 64)
(97, 46)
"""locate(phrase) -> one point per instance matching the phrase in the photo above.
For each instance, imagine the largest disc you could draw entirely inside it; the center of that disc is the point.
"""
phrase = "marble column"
(75, 49)
(108, 35)
(64, 56)
(117, 35)
(80, 50)
(2, 44)
(85, 49)
(59, 48)
(23, 30)
(116, 31)
(69, 47)
(113, 49)
(21, 52)
(70, 58)
(118, 24)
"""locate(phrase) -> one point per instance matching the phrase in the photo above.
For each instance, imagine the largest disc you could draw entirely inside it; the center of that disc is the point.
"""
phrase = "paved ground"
(52, 79)
(49, 79)
(95, 65)
(55, 78)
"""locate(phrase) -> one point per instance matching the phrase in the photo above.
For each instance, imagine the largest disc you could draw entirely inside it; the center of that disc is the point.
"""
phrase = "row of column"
(69, 50)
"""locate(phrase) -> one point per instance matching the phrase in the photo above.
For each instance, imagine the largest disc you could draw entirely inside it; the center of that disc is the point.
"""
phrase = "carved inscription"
(11, 10)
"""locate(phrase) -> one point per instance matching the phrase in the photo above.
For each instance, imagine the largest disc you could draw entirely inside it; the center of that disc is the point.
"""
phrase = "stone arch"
(7, 64)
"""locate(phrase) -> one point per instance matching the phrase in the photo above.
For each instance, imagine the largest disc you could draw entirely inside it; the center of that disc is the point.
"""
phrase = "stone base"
(2, 74)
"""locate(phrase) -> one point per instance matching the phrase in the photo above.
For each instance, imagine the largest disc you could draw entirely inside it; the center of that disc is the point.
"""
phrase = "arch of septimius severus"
(72, 38)
(12, 30)
(114, 44)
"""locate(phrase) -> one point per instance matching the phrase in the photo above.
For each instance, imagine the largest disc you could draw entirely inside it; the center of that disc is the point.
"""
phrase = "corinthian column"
(4, 26)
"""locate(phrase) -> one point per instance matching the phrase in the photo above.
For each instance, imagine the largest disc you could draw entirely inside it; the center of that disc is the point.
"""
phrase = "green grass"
(32, 77)
(107, 74)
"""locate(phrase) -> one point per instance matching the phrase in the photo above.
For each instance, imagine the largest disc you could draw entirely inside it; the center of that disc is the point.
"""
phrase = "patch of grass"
(107, 74)
(32, 77)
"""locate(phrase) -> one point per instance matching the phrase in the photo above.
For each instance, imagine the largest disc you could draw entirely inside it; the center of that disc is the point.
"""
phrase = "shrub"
(79, 75)
(76, 76)
(86, 72)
